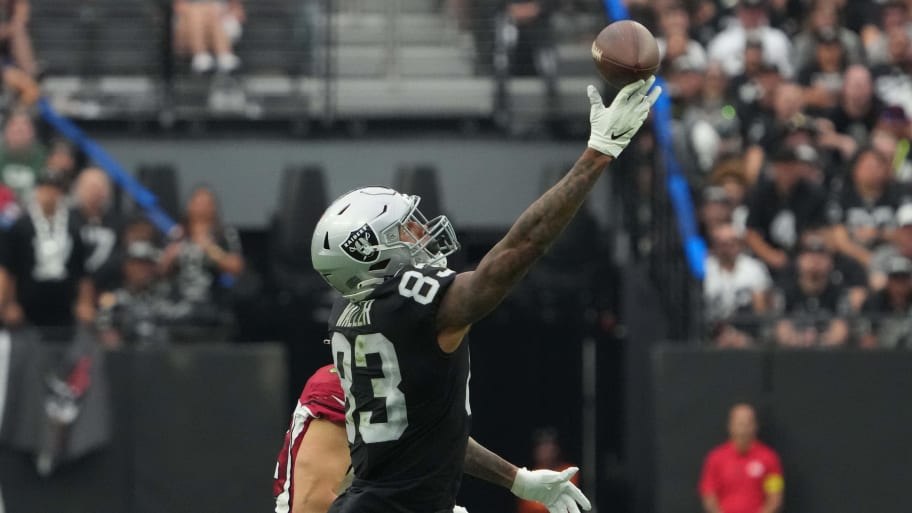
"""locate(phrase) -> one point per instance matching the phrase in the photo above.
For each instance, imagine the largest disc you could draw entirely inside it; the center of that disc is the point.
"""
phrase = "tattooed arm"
(487, 466)
(474, 294)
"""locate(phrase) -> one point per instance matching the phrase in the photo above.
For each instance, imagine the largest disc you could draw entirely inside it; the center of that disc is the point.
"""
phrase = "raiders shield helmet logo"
(360, 245)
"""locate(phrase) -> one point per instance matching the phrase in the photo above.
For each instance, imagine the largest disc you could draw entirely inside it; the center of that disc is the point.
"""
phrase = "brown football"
(625, 52)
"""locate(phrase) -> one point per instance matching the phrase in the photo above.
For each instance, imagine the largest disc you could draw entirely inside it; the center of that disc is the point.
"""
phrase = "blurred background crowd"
(791, 123)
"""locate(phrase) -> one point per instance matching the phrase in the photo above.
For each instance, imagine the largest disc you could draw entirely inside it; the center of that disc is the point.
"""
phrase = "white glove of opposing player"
(459, 509)
(553, 489)
(614, 126)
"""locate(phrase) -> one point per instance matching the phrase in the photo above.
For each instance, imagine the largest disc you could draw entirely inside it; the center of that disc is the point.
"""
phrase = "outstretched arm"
(474, 294)
(553, 489)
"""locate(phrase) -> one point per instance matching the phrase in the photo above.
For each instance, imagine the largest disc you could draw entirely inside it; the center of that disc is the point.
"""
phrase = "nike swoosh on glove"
(612, 127)
(553, 489)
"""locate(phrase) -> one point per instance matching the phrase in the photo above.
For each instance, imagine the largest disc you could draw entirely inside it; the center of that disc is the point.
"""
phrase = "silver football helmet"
(369, 234)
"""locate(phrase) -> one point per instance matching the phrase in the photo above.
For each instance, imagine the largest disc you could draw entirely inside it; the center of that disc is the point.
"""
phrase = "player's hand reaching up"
(614, 126)
(553, 489)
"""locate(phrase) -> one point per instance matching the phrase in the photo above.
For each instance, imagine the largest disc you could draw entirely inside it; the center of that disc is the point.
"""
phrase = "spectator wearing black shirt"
(847, 272)
(138, 312)
(753, 93)
(893, 80)
(887, 320)
(766, 129)
(822, 77)
(901, 246)
(207, 251)
(858, 109)
(45, 259)
(784, 206)
(531, 21)
(98, 227)
(865, 213)
(813, 304)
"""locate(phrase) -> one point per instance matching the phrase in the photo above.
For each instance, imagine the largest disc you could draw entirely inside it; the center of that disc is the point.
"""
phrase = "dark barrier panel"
(195, 429)
(845, 430)
(208, 424)
(840, 420)
(693, 392)
(98, 483)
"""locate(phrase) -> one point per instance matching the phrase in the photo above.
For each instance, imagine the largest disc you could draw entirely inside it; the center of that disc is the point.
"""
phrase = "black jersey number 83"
(376, 402)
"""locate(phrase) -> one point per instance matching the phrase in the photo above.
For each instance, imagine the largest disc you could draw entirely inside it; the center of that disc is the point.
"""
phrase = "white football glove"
(614, 126)
(459, 509)
(553, 489)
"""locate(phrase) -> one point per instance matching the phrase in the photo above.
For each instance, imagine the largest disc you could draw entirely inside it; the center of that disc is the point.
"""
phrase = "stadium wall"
(838, 419)
(194, 429)
(484, 183)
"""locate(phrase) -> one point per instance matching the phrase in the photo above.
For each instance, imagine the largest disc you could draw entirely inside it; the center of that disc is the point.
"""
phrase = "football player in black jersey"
(397, 332)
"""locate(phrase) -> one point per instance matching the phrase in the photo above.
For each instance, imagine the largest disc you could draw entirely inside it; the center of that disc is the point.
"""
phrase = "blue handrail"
(678, 190)
(142, 196)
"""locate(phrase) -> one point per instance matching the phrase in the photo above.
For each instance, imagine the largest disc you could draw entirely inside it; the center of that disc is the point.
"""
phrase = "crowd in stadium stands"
(67, 260)
(792, 122)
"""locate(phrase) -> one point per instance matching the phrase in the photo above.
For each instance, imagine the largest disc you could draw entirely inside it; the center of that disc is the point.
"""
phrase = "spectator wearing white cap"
(901, 246)
(735, 282)
(752, 20)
